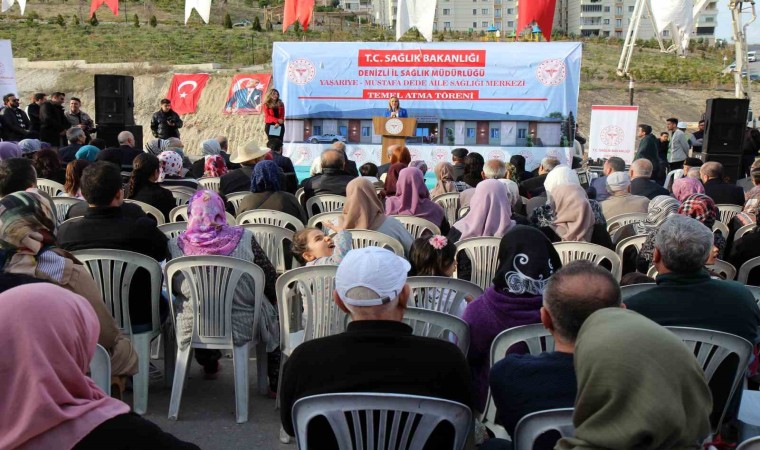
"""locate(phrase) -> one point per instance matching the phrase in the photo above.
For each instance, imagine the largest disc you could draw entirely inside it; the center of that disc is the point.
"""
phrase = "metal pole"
(631, 89)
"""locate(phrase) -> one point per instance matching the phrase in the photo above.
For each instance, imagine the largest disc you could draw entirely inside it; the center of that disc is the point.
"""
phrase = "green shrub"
(257, 24)
(60, 21)
(94, 20)
(136, 21)
(227, 21)
(153, 21)
(75, 20)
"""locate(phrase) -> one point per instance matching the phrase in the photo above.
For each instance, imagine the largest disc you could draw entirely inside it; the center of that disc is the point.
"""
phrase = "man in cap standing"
(377, 352)
(457, 158)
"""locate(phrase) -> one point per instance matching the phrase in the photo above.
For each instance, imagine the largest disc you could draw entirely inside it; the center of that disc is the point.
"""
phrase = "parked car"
(242, 24)
(320, 138)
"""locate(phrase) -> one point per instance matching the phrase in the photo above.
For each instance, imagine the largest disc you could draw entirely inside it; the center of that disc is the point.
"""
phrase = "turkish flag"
(185, 91)
(539, 11)
(300, 10)
(113, 4)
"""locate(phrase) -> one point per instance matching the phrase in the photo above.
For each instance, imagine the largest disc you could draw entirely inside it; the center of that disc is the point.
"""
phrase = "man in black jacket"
(534, 187)
(165, 123)
(53, 121)
(641, 180)
(332, 180)
(105, 225)
(377, 352)
(124, 154)
(76, 138)
(648, 147)
(239, 180)
(350, 166)
(33, 111)
(721, 192)
(16, 125)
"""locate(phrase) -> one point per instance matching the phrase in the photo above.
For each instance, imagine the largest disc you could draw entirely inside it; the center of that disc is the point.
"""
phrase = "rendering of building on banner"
(506, 98)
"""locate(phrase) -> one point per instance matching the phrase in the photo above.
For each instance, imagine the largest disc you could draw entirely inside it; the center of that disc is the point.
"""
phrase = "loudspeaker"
(114, 100)
(726, 120)
(732, 165)
(110, 133)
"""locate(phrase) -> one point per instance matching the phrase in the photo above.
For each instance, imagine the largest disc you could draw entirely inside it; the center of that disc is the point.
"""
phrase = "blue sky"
(724, 24)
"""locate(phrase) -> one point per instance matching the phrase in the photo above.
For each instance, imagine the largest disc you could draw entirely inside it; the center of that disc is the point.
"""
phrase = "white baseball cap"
(373, 268)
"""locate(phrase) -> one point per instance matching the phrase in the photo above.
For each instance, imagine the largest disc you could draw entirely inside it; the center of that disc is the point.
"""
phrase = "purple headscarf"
(490, 212)
(207, 230)
(412, 198)
(9, 150)
(684, 187)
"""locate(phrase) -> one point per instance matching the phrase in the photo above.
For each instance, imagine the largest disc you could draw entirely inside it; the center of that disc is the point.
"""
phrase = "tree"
(75, 20)
(153, 21)
(94, 20)
(269, 26)
(256, 24)
(136, 21)
(60, 20)
(227, 21)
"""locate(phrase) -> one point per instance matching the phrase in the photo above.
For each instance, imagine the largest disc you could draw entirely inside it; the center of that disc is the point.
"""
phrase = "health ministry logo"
(551, 72)
(301, 71)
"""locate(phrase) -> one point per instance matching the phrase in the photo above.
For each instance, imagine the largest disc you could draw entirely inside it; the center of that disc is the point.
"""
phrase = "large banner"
(613, 132)
(446, 81)
(185, 91)
(7, 72)
(247, 93)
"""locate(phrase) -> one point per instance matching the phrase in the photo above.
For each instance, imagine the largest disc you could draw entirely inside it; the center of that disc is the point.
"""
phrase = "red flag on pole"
(300, 10)
(539, 11)
(185, 91)
(112, 4)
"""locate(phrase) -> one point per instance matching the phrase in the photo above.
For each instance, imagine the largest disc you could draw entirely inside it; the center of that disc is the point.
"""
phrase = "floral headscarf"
(526, 261)
(207, 230)
(265, 177)
(659, 209)
(214, 166)
(703, 208)
(171, 164)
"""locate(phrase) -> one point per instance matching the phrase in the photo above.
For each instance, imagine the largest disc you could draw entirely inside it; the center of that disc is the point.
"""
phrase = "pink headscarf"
(49, 336)
(684, 187)
(490, 212)
(412, 198)
(207, 230)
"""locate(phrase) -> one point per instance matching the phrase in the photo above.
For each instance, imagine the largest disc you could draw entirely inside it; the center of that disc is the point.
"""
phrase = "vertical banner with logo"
(613, 132)
(185, 91)
(7, 73)
(247, 93)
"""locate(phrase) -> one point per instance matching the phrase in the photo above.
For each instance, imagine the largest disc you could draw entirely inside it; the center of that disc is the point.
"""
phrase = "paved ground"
(207, 412)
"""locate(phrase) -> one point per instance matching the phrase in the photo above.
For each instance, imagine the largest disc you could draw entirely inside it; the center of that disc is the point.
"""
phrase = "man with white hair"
(124, 154)
(641, 180)
(534, 187)
(377, 352)
(620, 200)
(383, 168)
(76, 138)
(494, 169)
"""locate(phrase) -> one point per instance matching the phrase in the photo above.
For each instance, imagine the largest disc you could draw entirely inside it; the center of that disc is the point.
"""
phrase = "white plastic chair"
(586, 251)
(210, 183)
(744, 230)
(722, 227)
(179, 214)
(711, 348)
(629, 291)
(532, 426)
(62, 206)
(417, 226)
(100, 369)
(632, 241)
(746, 268)
(213, 280)
(369, 238)
(669, 178)
(113, 271)
(50, 187)
(441, 294)
(537, 338)
(181, 194)
(450, 204)
(728, 212)
(236, 198)
(461, 212)
(483, 253)
(615, 222)
(149, 210)
(396, 415)
(750, 444)
(299, 195)
(435, 324)
(173, 229)
(272, 240)
(270, 217)
(317, 220)
(324, 203)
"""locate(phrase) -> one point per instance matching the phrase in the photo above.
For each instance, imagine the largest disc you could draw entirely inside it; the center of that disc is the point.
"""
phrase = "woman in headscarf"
(143, 185)
(156, 146)
(74, 171)
(48, 400)
(696, 206)
(445, 183)
(638, 387)
(746, 248)
(28, 247)
(413, 199)
(419, 164)
(9, 150)
(208, 233)
(364, 211)
(214, 166)
(473, 169)
(267, 192)
(526, 261)
(87, 152)
(171, 171)
(391, 178)
(48, 165)
(29, 146)
(490, 213)
(209, 147)
(659, 209)
(684, 187)
(751, 204)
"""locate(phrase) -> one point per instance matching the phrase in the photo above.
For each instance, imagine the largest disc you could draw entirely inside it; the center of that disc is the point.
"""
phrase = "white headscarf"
(558, 176)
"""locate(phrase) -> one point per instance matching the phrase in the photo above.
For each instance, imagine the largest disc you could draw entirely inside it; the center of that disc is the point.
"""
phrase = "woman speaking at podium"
(395, 109)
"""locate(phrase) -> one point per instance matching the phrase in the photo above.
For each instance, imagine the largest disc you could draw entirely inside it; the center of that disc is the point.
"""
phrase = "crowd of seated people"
(661, 401)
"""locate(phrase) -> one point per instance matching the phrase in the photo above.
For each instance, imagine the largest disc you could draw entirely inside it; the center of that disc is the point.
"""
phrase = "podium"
(394, 130)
